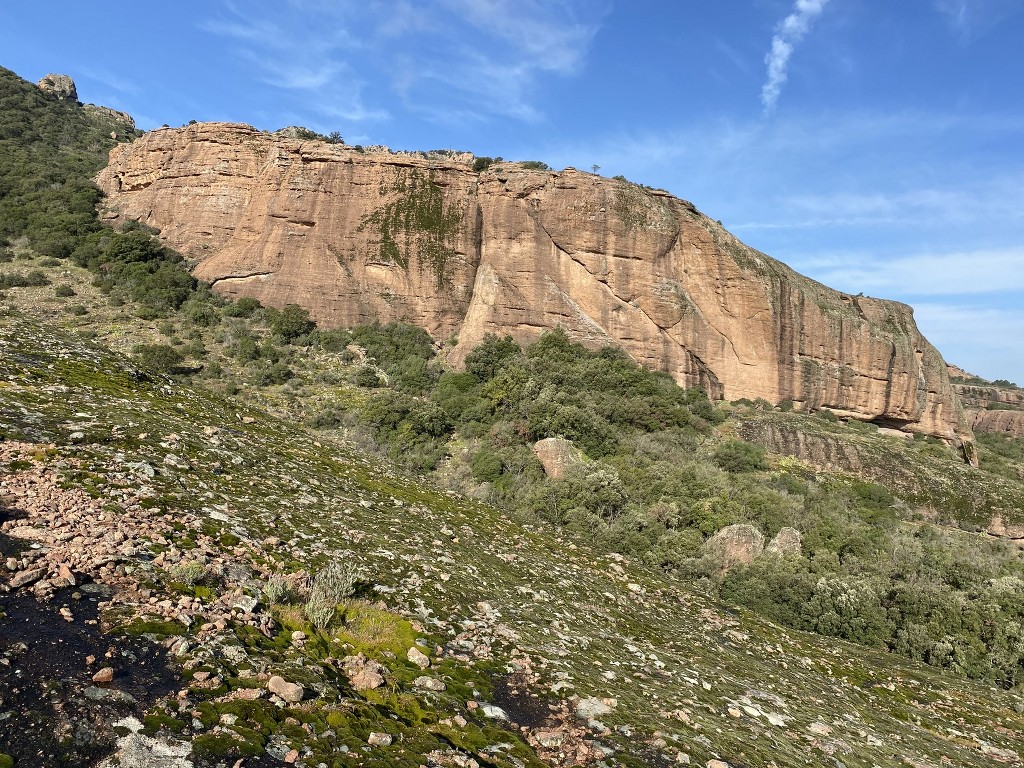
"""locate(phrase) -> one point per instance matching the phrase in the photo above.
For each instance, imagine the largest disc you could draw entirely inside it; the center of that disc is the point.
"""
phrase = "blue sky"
(877, 146)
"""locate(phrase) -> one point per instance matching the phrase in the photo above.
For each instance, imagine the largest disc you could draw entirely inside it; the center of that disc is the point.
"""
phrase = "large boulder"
(557, 455)
(61, 86)
(734, 545)
(787, 541)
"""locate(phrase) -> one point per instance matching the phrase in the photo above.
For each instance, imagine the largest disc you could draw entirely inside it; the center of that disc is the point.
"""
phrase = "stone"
(592, 707)
(493, 711)
(363, 674)
(734, 545)
(376, 739)
(787, 541)
(549, 739)
(557, 455)
(429, 683)
(61, 86)
(105, 675)
(819, 729)
(607, 261)
(418, 657)
(290, 692)
(27, 577)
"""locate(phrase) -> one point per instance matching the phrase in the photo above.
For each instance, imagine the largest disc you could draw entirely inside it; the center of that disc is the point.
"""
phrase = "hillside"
(356, 236)
(229, 537)
(506, 610)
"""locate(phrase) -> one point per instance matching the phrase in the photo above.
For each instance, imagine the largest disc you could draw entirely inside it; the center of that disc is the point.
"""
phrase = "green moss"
(152, 627)
(220, 745)
(157, 722)
(6, 761)
(415, 223)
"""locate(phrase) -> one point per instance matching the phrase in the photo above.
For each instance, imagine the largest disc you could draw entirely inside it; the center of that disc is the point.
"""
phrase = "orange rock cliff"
(359, 236)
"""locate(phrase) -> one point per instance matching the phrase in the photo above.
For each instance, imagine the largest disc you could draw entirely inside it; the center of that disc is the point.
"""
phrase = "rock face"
(993, 408)
(61, 86)
(734, 545)
(557, 455)
(357, 237)
(787, 541)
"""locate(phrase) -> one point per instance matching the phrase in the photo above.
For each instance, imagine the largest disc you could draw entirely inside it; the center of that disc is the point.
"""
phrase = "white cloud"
(984, 340)
(790, 32)
(970, 19)
(447, 60)
(988, 271)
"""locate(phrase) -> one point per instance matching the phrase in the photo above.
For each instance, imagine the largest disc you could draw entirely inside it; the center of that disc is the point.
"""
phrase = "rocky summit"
(357, 236)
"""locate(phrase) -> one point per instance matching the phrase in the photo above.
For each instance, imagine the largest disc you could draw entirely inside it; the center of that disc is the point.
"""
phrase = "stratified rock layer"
(358, 237)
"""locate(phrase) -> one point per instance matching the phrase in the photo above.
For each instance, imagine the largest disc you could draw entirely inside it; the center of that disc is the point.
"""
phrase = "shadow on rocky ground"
(52, 712)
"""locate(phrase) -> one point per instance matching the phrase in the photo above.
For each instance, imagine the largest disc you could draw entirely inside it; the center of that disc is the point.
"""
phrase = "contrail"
(790, 32)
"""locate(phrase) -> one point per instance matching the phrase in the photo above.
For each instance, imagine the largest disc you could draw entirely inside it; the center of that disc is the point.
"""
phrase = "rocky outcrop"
(357, 237)
(61, 86)
(734, 545)
(788, 541)
(557, 455)
(1006, 422)
(992, 407)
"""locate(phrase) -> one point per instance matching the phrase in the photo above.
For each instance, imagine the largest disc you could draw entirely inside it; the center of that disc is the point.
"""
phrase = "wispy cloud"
(947, 273)
(290, 54)
(445, 60)
(790, 32)
(970, 19)
(985, 340)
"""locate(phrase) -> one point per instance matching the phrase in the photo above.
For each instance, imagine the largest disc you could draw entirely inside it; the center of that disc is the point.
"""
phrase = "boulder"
(557, 455)
(61, 86)
(734, 545)
(786, 542)
(290, 692)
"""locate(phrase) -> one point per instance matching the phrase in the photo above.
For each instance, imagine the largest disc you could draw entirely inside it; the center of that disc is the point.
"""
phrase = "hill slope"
(524, 607)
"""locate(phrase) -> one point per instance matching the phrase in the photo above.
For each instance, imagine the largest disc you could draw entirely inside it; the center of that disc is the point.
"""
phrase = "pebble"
(105, 675)
(290, 692)
(429, 683)
(418, 657)
(376, 739)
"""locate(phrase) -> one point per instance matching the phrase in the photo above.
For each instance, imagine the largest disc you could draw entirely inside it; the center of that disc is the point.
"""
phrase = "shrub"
(277, 589)
(63, 291)
(338, 580)
(738, 456)
(189, 573)
(243, 307)
(291, 322)
(33, 279)
(319, 609)
(366, 376)
(160, 358)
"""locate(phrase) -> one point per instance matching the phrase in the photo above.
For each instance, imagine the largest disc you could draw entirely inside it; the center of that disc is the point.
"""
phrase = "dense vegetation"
(656, 472)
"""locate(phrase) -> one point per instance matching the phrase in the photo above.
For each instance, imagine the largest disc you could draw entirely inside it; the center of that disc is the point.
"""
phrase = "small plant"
(189, 573)
(320, 609)
(337, 581)
(277, 589)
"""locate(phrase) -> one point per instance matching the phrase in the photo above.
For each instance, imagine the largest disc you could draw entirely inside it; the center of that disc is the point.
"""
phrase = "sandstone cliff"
(361, 236)
(993, 408)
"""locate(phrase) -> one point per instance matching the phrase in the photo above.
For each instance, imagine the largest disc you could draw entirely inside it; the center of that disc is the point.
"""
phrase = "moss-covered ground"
(487, 596)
